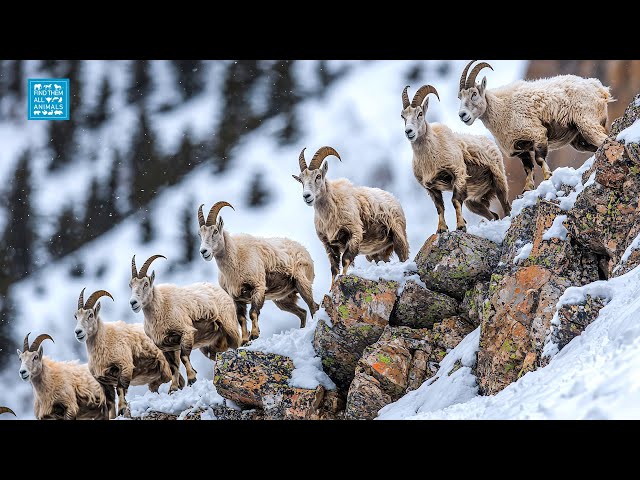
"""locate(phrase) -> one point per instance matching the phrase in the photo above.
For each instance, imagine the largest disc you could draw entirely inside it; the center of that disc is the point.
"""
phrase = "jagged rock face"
(453, 262)
(359, 310)
(522, 296)
(475, 304)
(419, 307)
(605, 215)
(251, 378)
(573, 319)
(400, 361)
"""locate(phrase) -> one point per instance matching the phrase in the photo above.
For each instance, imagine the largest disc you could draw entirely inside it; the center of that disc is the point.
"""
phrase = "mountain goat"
(255, 269)
(179, 319)
(530, 118)
(120, 354)
(62, 390)
(351, 220)
(468, 165)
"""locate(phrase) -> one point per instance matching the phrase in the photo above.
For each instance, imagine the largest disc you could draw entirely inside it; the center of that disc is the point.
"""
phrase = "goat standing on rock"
(179, 319)
(255, 269)
(529, 118)
(61, 390)
(120, 354)
(469, 165)
(351, 220)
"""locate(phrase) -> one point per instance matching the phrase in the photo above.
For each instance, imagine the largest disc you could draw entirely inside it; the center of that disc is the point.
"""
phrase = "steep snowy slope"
(359, 117)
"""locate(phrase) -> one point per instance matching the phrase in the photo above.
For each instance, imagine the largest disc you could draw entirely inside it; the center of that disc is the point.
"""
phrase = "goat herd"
(526, 118)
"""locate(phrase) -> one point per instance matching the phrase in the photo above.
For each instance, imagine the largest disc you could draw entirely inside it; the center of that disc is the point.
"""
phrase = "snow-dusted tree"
(257, 194)
(189, 230)
(190, 77)
(147, 168)
(283, 98)
(140, 82)
(100, 112)
(68, 233)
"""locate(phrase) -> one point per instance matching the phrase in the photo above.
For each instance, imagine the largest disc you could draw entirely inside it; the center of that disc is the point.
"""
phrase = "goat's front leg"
(257, 301)
(177, 381)
(436, 196)
(186, 345)
(541, 159)
(527, 163)
(459, 196)
(71, 411)
(351, 251)
(241, 314)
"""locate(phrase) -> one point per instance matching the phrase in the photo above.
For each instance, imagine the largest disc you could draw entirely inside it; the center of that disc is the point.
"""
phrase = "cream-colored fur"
(67, 390)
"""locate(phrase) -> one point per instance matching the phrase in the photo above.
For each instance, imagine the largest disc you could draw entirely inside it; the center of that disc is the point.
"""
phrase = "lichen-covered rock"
(605, 215)
(359, 310)
(475, 304)
(251, 378)
(400, 361)
(512, 339)
(628, 264)
(366, 397)
(573, 319)
(419, 307)
(562, 257)
(453, 262)
(294, 404)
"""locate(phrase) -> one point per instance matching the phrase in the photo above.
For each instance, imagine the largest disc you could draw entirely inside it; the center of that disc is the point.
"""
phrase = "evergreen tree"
(69, 233)
(16, 247)
(15, 81)
(188, 219)
(101, 111)
(236, 109)
(7, 313)
(146, 228)
(257, 195)
(284, 98)
(190, 77)
(147, 168)
(62, 133)
(111, 209)
(94, 219)
(140, 83)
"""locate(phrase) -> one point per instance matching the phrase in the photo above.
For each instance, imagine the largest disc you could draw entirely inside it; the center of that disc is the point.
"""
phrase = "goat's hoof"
(462, 228)
(254, 335)
(191, 381)
(124, 412)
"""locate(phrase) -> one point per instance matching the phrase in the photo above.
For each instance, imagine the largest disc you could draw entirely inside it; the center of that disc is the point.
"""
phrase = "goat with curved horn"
(422, 92)
(463, 77)
(213, 213)
(320, 155)
(81, 299)
(471, 81)
(134, 270)
(7, 410)
(25, 344)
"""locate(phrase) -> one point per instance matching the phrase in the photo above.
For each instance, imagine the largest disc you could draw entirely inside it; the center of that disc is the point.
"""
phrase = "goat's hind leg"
(289, 304)
(303, 286)
(186, 345)
(541, 159)
(459, 196)
(436, 197)
(480, 208)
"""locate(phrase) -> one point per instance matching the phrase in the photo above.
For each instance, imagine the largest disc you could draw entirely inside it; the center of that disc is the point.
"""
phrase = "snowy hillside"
(359, 116)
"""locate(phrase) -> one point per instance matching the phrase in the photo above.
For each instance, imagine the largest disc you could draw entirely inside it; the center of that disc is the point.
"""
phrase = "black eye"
(474, 95)
(317, 177)
(35, 357)
(419, 114)
(90, 314)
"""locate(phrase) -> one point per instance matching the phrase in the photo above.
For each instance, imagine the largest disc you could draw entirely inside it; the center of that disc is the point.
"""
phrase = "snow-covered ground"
(359, 116)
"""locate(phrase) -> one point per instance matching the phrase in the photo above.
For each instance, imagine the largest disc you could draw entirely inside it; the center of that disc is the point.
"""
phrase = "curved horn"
(147, 264)
(81, 299)
(7, 410)
(471, 81)
(463, 77)
(200, 215)
(405, 97)
(134, 270)
(422, 92)
(213, 213)
(320, 155)
(39, 339)
(25, 345)
(301, 161)
(91, 301)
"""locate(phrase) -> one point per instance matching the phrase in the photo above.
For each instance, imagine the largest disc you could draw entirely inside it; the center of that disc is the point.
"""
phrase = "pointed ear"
(297, 178)
(325, 168)
(40, 352)
(220, 224)
(483, 85)
(96, 309)
(152, 278)
(19, 352)
(425, 104)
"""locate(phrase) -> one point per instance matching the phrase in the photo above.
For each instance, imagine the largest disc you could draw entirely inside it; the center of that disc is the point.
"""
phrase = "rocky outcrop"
(359, 310)
(453, 262)
(573, 319)
(400, 361)
(419, 307)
